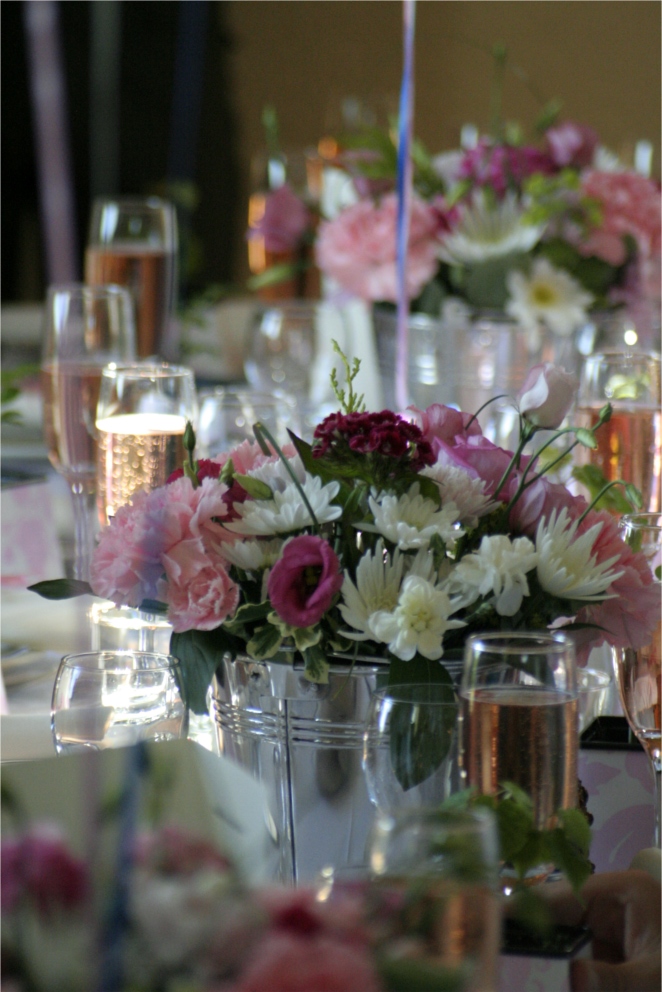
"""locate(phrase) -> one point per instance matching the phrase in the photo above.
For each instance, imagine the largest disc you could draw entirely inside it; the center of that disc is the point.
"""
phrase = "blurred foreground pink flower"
(40, 868)
(358, 248)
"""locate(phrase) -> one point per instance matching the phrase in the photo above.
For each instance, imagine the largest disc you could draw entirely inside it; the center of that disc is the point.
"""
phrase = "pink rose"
(304, 581)
(284, 222)
(571, 144)
(358, 248)
(547, 394)
(443, 423)
(199, 592)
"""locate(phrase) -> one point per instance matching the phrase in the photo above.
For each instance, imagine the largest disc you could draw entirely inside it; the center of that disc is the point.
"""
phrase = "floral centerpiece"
(390, 536)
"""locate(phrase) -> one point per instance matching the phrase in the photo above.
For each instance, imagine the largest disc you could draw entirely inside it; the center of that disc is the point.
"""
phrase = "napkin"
(25, 737)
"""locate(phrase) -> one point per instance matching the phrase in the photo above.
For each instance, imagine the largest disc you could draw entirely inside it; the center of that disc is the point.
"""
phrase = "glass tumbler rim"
(83, 659)
(148, 370)
(644, 519)
(539, 641)
(83, 289)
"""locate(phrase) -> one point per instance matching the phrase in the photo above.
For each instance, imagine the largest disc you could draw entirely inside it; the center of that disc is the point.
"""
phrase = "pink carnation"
(358, 248)
(571, 144)
(284, 222)
(630, 204)
(304, 581)
(199, 592)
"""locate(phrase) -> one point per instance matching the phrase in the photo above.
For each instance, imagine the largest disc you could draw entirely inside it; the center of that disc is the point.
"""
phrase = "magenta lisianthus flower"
(285, 220)
(443, 423)
(358, 248)
(571, 144)
(40, 867)
(304, 581)
(547, 394)
(503, 167)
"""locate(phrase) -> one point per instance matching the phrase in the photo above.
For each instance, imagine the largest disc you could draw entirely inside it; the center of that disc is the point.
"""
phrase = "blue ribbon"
(404, 190)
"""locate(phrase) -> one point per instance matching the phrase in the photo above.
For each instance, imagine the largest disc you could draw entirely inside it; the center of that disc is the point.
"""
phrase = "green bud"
(254, 487)
(227, 473)
(189, 438)
(586, 437)
(605, 415)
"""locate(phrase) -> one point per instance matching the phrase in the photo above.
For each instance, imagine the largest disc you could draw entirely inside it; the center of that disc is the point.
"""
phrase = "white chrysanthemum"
(549, 295)
(489, 230)
(458, 487)
(419, 622)
(378, 580)
(410, 521)
(275, 474)
(251, 556)
(287, 512)
(566, 566)
(499, 567)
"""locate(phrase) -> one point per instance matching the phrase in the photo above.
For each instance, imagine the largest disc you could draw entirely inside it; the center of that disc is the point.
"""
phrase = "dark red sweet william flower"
(207, 469)
(386, 434)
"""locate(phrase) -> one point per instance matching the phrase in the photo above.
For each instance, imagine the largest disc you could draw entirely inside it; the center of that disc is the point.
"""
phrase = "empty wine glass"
(638, 670)
(85, 328)
(409, 745)
(133, 242)
(105, 699)
(227, 417)
(141, 420)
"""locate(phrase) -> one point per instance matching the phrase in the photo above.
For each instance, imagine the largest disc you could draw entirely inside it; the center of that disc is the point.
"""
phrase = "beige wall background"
(600, 58)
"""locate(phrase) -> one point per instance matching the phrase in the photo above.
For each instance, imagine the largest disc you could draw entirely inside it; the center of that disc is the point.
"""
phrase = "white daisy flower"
(251, 556)
(566, 566)
(418, 623)
(549, 295)
(275, 474)
(378, 580)
(458, 487)
(287, 512)
(499, 567)
(489, 230)
(410, 521)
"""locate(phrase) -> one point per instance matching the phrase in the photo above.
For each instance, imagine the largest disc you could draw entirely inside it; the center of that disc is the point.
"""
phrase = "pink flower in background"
(284, 222)
(503, 167)
(39, 866)
(571, 144)
(443, 423)
(304, 581)
(358, 248)
(630, 204)
(547, 394)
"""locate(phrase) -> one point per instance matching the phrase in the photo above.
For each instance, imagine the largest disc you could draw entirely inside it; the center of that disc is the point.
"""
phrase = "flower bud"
(547, 395)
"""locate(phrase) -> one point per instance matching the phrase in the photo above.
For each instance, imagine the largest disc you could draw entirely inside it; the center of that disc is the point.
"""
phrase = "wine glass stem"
(657, 771)
(85, 521)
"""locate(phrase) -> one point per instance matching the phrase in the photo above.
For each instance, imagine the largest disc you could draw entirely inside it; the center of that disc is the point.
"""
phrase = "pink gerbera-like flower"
(304, 581)
(358, 248)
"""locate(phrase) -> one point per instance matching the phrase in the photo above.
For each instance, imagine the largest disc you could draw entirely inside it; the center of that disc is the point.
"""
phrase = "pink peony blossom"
(285, 220)
(199, 592)
(443, 423)
(502, 167)
(304, 581)
(571, 144)
(358, 248)
(630, 204)
(547, 394)
(38, 866)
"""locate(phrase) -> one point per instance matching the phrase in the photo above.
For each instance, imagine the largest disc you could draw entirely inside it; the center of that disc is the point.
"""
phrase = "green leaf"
(316, 666)
(571, 860)
(255, 488)
(276, 274)
(199, 653)
(515, 824)
(576, 828)
(593, 479)
(633, 495)
(249, 613)
(306, 637)
(415, 975)
(61, 588)
(586, 438)
(420, 739)
(265, 642)
(419, 670)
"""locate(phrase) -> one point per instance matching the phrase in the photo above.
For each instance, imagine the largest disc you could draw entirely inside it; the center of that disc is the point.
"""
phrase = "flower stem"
(481, 408)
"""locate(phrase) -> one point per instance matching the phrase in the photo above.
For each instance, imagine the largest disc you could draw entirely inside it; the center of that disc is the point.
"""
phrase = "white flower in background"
(549, 295)
(419, 622)
(489, 230)
(499, 567)
(566, 566)
(287, 512)
(458, 487)
(410, 521)
(378, 580)
(251, 556)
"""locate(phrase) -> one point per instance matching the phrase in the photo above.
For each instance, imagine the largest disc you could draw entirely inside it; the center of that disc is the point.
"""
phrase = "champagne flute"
(141, 420)
(638, 670)
(518, 703)
(133, 242)
(85, 328)
(628, 445)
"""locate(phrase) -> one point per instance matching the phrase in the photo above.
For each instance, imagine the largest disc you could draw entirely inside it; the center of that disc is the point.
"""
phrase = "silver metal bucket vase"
(304, 742)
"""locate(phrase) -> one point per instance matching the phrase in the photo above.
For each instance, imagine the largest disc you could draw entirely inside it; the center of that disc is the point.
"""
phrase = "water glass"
(121, 628)
(141, 418)
(227, 417)
(592, 695)
(518, 701)
(105, 699)
(410, 745)
(435, 894)
(628, 445)
(133, 242)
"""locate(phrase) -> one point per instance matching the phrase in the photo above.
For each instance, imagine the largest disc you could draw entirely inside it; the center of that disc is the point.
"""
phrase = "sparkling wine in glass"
(637, 670)
(629, 445)
(141, 419)
(518, 700)
(133, 242)
(85, 328)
